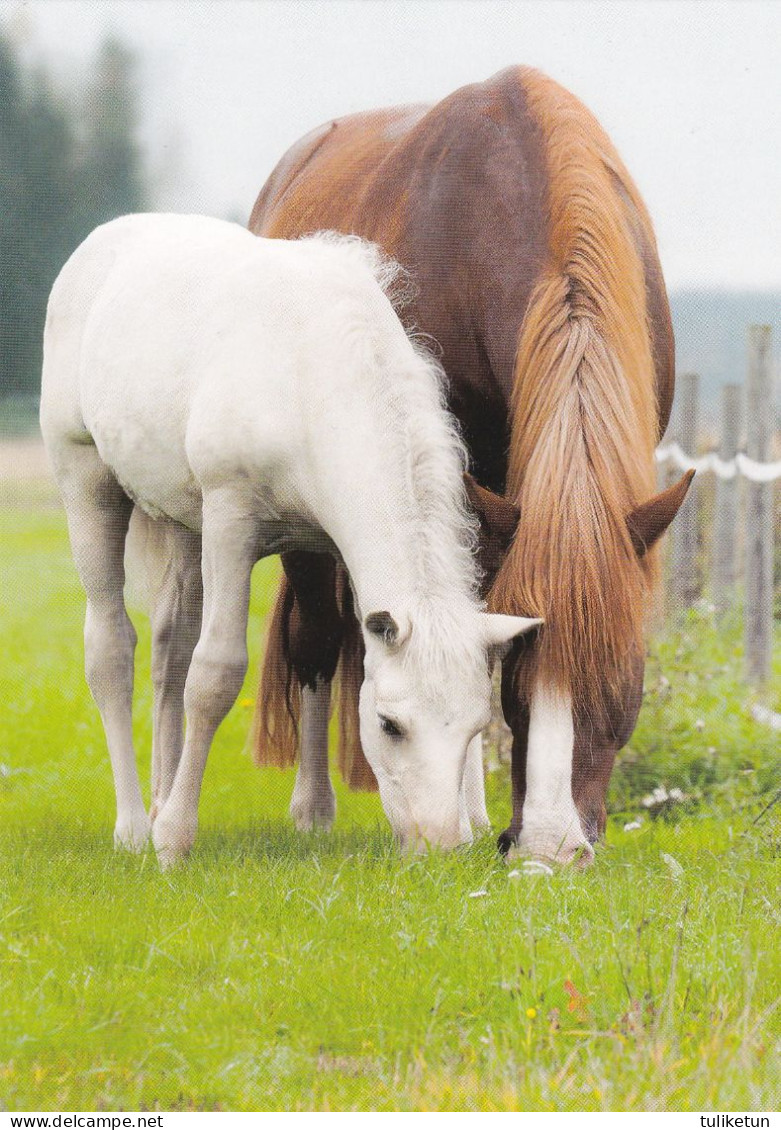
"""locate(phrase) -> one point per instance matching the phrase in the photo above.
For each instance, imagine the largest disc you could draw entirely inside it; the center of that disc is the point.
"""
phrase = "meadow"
(278, 971)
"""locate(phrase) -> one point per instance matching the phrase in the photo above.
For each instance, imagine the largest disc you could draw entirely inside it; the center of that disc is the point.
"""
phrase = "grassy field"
(278, 971)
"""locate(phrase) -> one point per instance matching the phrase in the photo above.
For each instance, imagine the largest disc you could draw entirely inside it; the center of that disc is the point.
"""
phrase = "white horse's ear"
(382, 625)
(499, 631)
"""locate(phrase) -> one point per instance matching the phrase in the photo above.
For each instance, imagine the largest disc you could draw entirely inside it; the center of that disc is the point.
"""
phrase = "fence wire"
(724, 469)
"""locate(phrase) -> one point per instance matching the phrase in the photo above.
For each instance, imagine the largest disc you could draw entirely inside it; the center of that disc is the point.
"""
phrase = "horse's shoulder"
(475, 154)
(473, 121)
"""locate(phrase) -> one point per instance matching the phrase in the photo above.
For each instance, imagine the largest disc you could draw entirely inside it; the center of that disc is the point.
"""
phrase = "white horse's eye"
(391, 728)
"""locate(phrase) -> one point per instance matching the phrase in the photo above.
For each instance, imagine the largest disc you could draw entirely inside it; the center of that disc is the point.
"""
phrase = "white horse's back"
(181, 346)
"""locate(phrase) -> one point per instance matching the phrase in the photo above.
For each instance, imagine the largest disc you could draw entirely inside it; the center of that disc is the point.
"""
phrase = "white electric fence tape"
(767, 717)
(741, 464)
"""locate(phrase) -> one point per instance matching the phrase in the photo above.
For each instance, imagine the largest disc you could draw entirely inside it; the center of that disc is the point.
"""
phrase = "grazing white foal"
(252, 396)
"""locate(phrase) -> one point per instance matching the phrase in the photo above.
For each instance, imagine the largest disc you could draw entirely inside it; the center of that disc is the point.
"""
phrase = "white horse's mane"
(394, 280)
(445, 529)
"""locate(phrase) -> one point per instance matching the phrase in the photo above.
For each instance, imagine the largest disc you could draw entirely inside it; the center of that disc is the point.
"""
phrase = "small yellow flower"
(248, 702)
(531, 1013)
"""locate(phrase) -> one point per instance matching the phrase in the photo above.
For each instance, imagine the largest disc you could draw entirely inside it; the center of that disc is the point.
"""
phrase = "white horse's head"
(425, 696)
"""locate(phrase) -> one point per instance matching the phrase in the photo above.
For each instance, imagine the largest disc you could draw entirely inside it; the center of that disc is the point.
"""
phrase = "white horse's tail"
(147, 552)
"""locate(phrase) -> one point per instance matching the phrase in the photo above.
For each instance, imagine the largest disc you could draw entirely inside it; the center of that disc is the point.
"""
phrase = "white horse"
(252, 396)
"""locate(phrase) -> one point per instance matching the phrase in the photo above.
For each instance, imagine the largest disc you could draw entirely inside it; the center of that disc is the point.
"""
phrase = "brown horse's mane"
(584, 421)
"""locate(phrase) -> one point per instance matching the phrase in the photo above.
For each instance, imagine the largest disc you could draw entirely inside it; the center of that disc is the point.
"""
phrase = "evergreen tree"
(113, 169)
(45, 210)
(59, 178)
(12, 242)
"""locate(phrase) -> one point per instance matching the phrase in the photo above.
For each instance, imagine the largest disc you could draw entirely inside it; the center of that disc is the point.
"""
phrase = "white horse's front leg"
(313, 804)
(474, 787)
(218, 665)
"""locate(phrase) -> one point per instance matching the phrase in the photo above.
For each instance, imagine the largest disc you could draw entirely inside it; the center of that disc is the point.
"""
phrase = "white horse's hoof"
(173, 838)
(481, 825)
(131, 833)
(313, 808)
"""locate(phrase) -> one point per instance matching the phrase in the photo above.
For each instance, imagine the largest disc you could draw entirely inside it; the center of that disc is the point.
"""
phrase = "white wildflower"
(675, 868)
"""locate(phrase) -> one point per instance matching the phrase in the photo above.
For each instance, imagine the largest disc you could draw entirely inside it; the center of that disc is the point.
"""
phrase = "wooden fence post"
(685, 584)
(664, 478)
(760, 410)
(725, 541)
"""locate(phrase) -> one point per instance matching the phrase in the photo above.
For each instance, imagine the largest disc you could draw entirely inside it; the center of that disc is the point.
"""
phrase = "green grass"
(278, 971)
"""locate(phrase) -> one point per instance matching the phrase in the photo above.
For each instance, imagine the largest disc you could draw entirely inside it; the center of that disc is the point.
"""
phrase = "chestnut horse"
(538, 275)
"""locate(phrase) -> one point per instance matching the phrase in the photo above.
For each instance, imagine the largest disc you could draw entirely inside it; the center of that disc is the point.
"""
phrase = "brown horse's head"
(600, 718)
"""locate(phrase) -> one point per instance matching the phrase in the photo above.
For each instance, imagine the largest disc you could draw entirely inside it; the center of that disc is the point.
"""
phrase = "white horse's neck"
(402, 527)
(389, 567)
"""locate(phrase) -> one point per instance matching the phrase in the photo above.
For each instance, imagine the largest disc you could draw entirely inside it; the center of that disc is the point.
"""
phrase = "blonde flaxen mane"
(584, 414)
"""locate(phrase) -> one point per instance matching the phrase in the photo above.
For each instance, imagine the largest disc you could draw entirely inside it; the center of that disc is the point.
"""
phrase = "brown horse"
(537, 273)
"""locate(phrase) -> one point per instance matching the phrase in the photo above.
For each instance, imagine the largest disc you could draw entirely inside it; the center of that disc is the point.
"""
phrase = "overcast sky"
(690, 93)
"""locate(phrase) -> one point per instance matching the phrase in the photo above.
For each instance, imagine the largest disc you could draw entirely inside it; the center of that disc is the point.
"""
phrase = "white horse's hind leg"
(313, 804)
(474, 787)
(176, 624)
(98, 513)
(218, 665)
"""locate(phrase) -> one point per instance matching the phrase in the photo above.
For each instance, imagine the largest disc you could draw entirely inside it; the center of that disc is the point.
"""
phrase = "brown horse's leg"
(596, 743)
(314, 643)
(315, 629)
(591, 769)
(517, 717)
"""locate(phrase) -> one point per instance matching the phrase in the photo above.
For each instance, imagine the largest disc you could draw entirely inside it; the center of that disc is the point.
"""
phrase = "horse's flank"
(584, 414)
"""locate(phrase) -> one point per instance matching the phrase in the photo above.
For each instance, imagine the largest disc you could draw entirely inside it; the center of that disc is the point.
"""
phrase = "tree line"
(69, 160)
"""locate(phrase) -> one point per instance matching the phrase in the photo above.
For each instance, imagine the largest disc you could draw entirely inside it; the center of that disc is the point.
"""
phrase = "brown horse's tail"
(278, 713)
(584, 413)
(278, 710)
(353, 766)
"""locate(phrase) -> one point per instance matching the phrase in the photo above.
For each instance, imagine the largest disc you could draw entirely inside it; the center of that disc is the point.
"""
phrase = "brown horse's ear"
(498, 523)
(648, 522)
